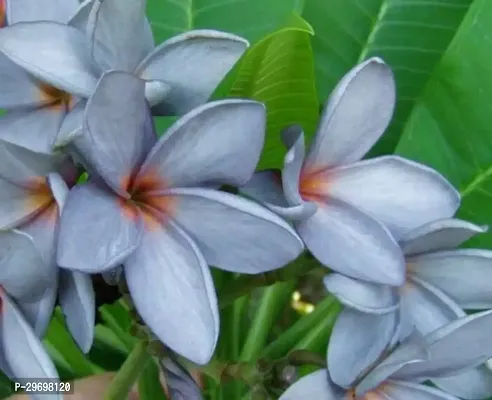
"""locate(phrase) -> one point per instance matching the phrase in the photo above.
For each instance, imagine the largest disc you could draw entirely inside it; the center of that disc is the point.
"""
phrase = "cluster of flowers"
(80, 90)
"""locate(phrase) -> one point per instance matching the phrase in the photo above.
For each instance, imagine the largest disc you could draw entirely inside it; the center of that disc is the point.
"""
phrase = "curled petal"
(193, 63)
(362, 296)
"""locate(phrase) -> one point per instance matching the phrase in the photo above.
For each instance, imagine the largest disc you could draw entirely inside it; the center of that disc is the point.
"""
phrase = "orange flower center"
(55, 98)
(372, 395)
(2, 13)
(313, 185)
(40, 194)
(155, 209)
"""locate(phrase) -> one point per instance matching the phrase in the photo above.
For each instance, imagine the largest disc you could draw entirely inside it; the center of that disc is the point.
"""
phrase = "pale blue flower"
(348, 211)
(151, 206)
(115, 35)
(442, 354)
(33, 188)
(441, 281)
(35, 109)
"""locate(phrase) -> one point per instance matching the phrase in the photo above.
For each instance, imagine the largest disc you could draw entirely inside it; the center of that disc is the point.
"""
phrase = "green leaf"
(149, 384)
(251, 19)
(410, 35)
(450, 128)
(59, 339)
(279, 71)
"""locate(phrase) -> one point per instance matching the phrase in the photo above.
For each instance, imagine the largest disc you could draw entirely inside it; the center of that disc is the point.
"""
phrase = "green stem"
(271, 304)
(281, 346)
(129, 372)
(245, 284)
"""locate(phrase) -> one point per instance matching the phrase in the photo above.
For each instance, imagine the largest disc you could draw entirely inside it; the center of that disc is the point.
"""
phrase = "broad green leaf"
(410, 35)
(450, 127)
(279, 72)
(251, 19)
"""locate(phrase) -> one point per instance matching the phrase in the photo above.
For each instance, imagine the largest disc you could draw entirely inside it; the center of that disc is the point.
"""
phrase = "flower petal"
(21, 266)
(114, 48)
(23, 351)
(293, 162)
(71, 127)
(357, 341)
(338, 229)
(401, 194)
(464, 274)
(444, 234)
(173, 291)
(193, 63)
(471, 384)
(356, 115)
(362, 296)
(97, 233)
(429, 307)
(188, 153)
(52, 52)
(18, 88)
(116, 136)
(233, 233)
(77, 300)
(316, 385)
(34, 10)
(179, 382)
(34, 129)
(470, 334)
(38, 313)
(400, 390)
(413, 350)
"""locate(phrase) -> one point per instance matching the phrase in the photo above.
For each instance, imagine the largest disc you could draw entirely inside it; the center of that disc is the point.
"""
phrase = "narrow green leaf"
(149, 384)
(272, 302)
(284, 343)
(410, 35)
(450, 128)
(317, 338)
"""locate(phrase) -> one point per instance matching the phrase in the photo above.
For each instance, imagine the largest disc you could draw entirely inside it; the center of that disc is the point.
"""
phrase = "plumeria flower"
(33, 187)
(152, 207)
(441, 281)
(184, 69)
(35, 108)
(445, 352)
(348, 211)
(22, 354)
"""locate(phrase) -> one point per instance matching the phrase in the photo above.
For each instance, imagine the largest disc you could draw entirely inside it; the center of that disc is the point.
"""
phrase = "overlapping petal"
(356, 342)
(34, 10)
(463, 274)
(188, 153)
(400, 193)
(23, 351)
(316, 385)
(400, 390)
(116, 137)
(193, 64)
(38, 313)
(172, 289)
(95, 218)
(236, 234)
(52, 52)
(352, 243)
